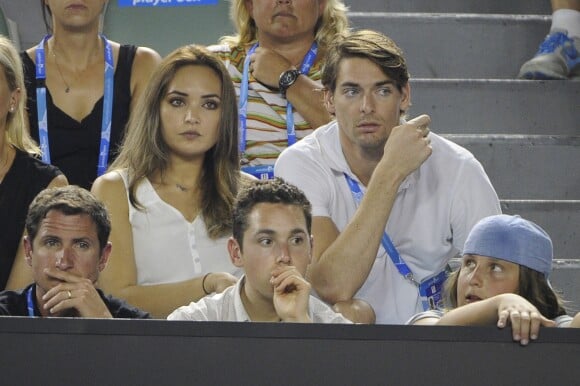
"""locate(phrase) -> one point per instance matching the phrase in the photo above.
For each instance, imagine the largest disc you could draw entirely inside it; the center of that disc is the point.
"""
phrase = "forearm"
(21, 273)
(357, 311)
(307, 98)
(345, 264)
(162, 299)
(298, 319)
(481, 313)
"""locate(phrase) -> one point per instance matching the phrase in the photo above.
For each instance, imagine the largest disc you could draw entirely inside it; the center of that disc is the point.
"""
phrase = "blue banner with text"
(164, 3)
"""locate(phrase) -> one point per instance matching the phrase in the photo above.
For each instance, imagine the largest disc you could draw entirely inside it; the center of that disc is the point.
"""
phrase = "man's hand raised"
(74, 293)
(408, 147)
(291, 294)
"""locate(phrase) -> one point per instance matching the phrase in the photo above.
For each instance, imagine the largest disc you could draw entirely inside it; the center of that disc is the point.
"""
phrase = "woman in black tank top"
(74, 59)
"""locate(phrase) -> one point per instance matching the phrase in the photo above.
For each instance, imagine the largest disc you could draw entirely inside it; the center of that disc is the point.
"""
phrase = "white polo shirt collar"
(328, 138)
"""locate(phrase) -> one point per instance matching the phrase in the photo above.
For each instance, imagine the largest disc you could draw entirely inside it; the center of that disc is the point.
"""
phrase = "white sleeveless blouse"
(167, 247)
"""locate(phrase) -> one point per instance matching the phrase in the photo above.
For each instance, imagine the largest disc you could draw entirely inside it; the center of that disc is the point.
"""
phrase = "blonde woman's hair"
(17, 132)
(332, 22)
(145, 152)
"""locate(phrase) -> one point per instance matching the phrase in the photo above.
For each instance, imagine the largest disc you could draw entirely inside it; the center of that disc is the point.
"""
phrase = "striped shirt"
(266, 115)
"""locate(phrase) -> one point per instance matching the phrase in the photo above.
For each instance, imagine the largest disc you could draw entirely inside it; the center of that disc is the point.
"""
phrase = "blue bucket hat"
(513, 239)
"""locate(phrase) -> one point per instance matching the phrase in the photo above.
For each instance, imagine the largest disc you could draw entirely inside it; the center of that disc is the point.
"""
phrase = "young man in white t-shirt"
(272, 243)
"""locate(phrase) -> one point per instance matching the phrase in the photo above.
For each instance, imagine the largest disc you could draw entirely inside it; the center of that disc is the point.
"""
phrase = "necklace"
(67, 89)
(169, 181)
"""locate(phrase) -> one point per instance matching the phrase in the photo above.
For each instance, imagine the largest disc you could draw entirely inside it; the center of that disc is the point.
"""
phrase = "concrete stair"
(495, 106)
(460, 45)
(454, 6)
(560, 218)
(463, 56)
(517, 167)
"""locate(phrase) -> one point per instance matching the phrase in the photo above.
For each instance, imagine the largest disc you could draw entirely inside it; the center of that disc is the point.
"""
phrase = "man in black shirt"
(67, 247)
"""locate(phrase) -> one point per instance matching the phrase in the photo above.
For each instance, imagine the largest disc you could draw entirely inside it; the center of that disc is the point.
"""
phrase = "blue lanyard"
(402, 267)
(107, 104)
(307, 62)
(30, 303)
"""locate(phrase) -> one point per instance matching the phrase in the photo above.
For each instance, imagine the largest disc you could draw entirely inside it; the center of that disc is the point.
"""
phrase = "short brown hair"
(69, 200)
(275, 191)
(370, 45)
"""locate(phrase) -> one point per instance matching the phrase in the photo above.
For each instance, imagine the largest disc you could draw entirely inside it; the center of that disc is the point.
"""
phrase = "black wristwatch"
(287, 79)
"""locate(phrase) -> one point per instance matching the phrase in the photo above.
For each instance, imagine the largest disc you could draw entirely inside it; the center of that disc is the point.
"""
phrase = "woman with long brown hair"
(171, 190)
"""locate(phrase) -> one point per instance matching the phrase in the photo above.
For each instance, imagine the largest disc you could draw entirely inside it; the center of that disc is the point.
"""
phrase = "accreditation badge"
(261, 172)
(431, 291)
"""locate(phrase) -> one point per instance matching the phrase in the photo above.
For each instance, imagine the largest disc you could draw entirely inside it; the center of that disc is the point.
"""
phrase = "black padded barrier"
(158, 352)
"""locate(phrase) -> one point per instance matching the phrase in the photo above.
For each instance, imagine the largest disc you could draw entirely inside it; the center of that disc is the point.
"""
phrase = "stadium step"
(460, 45)
(486, 106)
(536, 167)
(453, 6)
(560, 219)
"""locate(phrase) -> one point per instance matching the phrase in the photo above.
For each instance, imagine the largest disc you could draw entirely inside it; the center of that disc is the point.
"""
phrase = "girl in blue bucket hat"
(503, 279)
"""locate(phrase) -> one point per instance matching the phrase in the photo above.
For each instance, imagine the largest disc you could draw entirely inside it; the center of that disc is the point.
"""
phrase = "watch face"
(288, 77)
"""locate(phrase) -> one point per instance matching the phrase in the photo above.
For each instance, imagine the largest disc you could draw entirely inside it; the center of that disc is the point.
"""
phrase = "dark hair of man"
(70, 200)
(370, 45)
(275, 191)
(533, 286)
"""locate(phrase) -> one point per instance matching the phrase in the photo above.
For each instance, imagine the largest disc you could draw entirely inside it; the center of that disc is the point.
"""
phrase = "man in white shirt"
(377, 182)
(272, 243)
